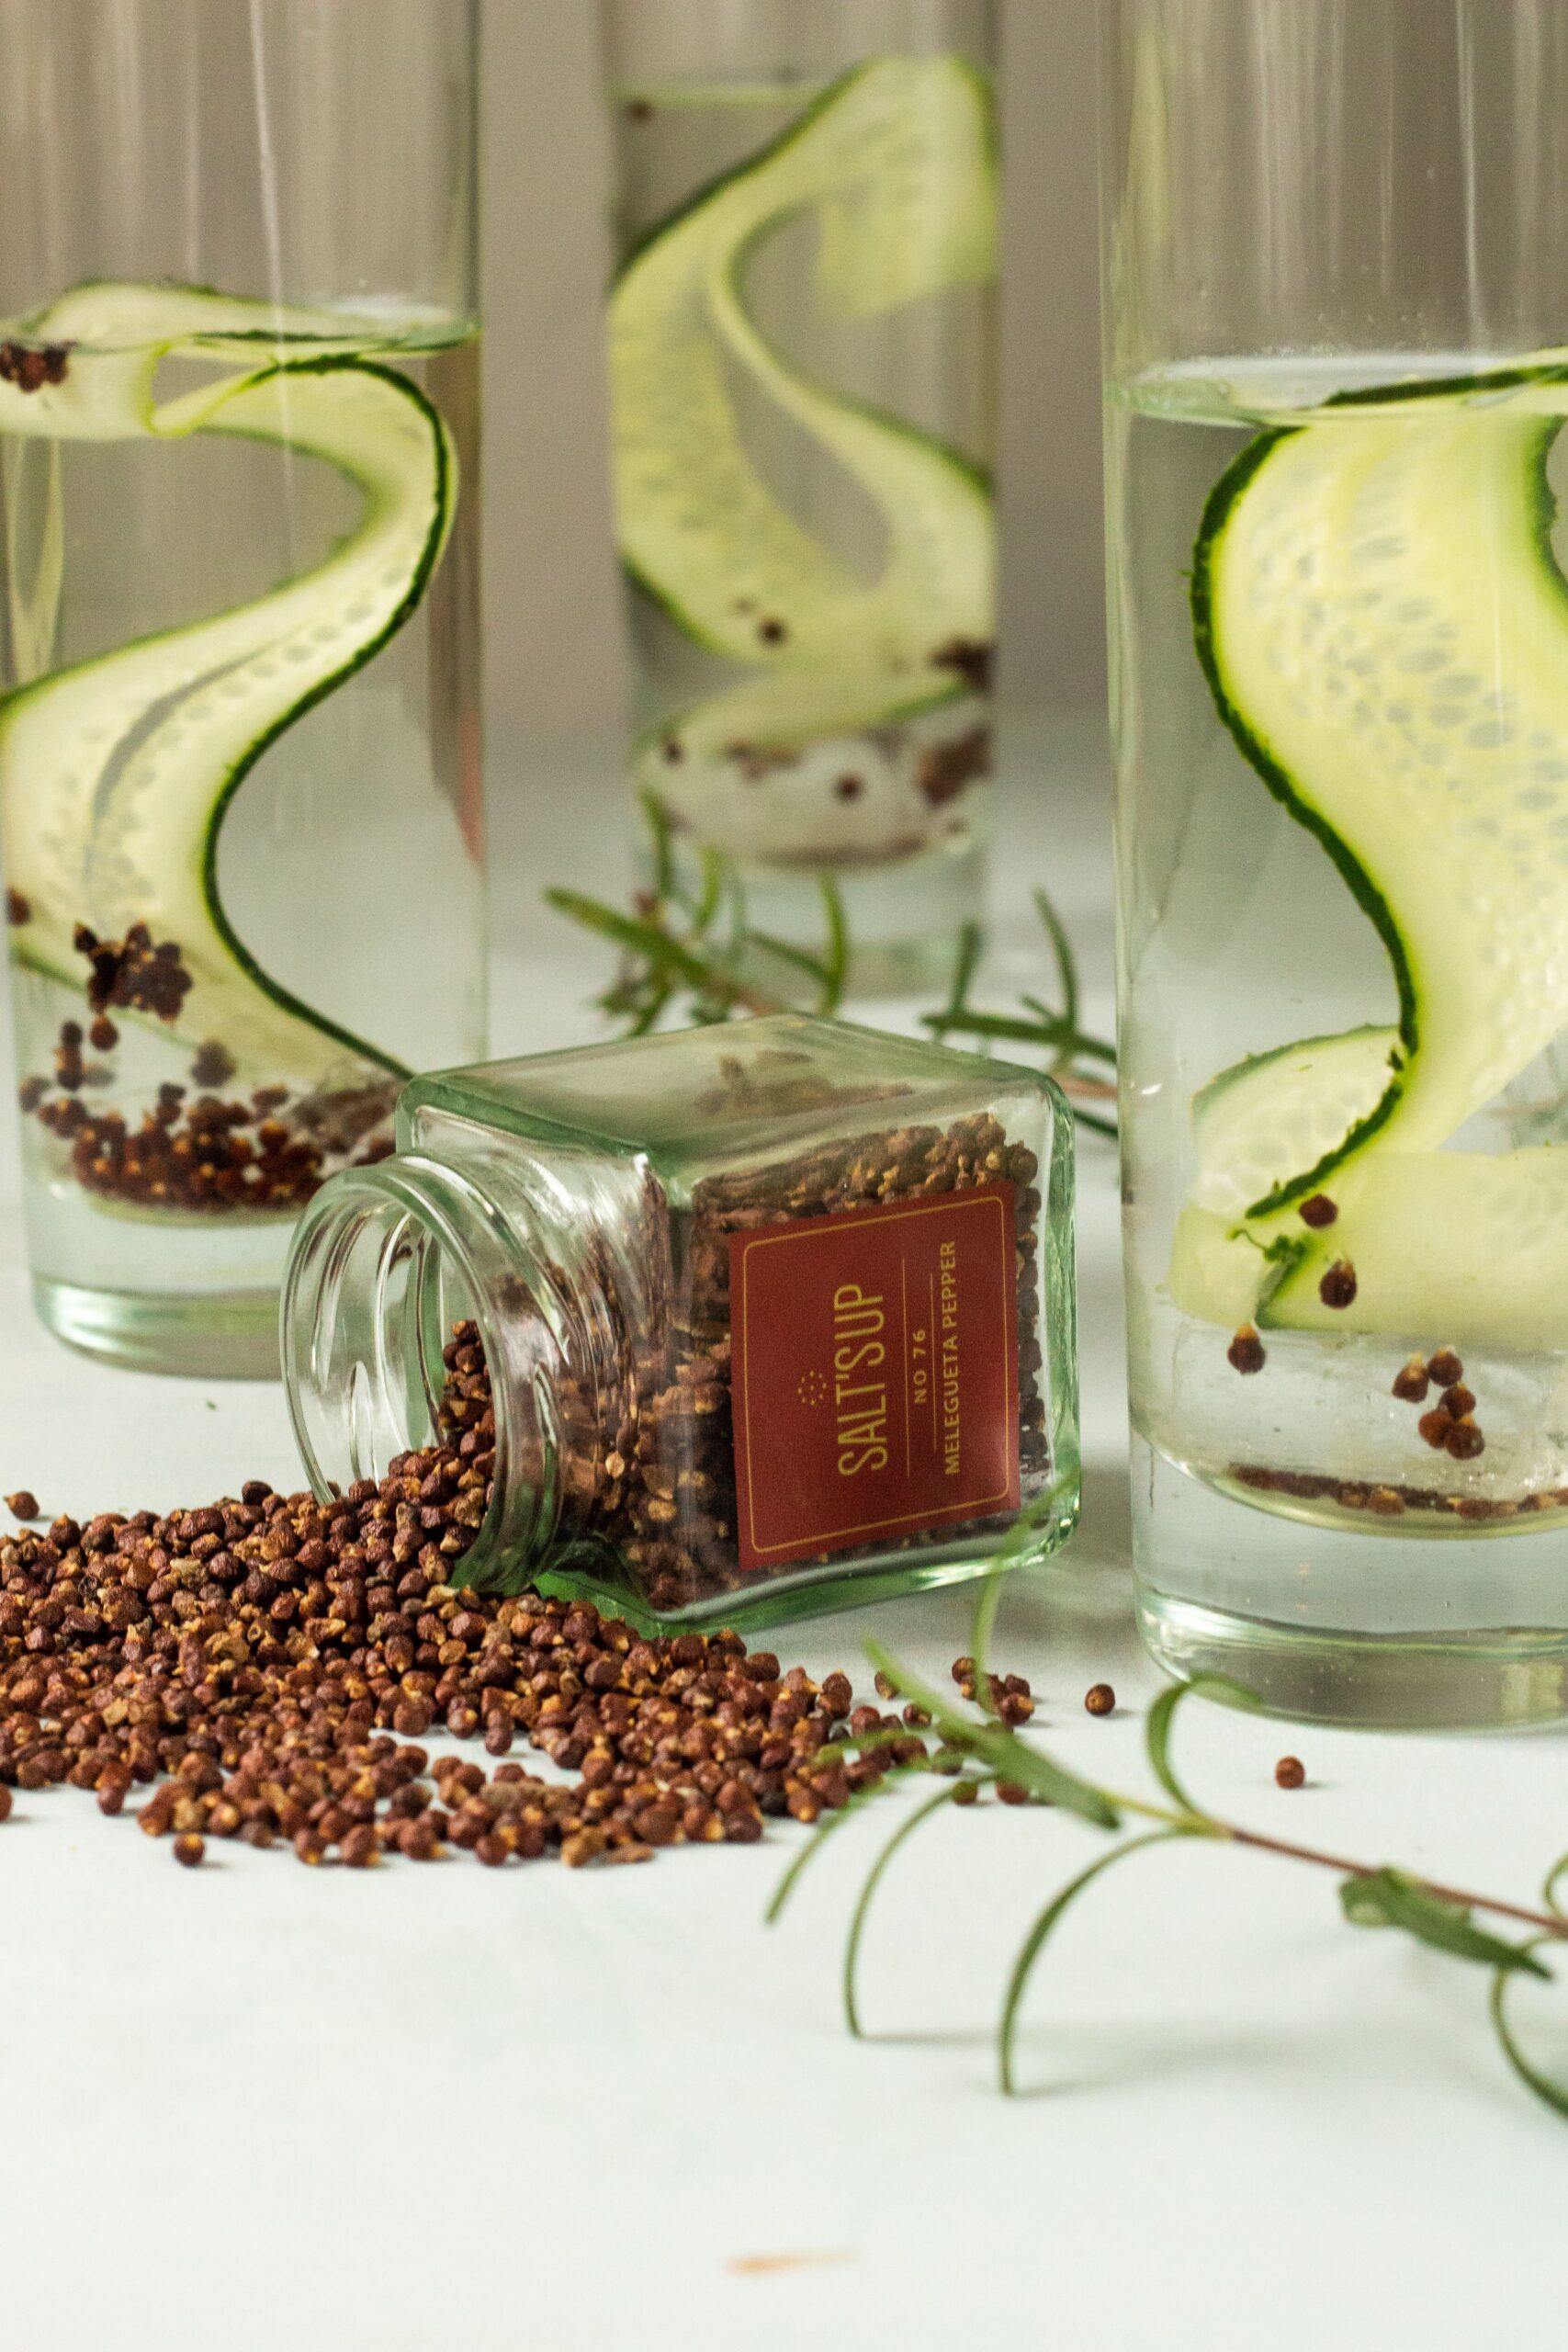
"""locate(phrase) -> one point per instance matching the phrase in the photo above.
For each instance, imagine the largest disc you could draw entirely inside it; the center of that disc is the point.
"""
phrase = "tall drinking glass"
(802, 337)
(1337, 268)
(239, 751)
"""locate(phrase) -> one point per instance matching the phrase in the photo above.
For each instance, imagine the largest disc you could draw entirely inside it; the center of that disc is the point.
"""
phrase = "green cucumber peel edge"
(1217, 509)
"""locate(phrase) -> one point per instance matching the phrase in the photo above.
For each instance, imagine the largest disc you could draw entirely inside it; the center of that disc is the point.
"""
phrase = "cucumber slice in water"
(1259, 1125)
(116, 774)
(895, 163)
(1461, 1248)
(1384, 626)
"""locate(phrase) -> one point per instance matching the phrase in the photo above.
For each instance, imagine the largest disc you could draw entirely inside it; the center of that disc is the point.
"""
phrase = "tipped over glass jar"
(730, 1324)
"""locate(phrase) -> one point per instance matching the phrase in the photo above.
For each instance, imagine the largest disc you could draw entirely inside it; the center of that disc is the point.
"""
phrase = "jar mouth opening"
(386, 1261)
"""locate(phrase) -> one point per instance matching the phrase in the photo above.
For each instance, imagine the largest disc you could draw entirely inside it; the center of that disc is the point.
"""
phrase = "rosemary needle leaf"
(1389, 1898)
(631, 932)
(1001, 1751)
(1035, 1942)
(875, 1876)
(797, 958)
(1003, 1027)
(987, 1602)
(971, 947)
(1097, 1048)
(1552, 1891)
(663, 835)
(1162, 1720)
(644, 1017)
(1017, 1541)
(1551, 2095)
(824, 1830)
(1066, 964)
(1095, 1124)
(715, 879)
(836, 961)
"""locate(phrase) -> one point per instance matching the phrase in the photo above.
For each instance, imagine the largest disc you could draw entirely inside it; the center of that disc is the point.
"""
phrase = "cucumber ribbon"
(895, 162)
(115, 774)
(1384, 624)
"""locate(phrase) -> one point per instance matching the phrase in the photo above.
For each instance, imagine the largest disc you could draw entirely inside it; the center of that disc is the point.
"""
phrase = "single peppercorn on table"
(247, 2103)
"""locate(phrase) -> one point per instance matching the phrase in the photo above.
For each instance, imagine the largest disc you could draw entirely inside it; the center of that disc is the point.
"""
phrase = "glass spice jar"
(769, 1317)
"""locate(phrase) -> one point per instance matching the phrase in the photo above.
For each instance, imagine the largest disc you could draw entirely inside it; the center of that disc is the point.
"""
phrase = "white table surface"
(533, 2112)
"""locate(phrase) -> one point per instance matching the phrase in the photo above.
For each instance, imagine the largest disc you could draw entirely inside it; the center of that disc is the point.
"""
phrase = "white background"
(258, 2106)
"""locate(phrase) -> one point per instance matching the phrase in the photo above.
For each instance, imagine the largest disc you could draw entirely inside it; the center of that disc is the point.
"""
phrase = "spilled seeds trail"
(265, 1668)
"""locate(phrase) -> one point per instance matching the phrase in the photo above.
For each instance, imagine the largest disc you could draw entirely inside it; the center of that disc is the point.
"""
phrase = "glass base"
(211, 1336)
(824, 1596)
(1329, 1623)
(902, 919)
(819, 1589)
(1381, 1681)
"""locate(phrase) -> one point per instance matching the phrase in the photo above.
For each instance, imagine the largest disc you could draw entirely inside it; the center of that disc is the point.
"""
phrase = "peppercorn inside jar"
(732, 1324)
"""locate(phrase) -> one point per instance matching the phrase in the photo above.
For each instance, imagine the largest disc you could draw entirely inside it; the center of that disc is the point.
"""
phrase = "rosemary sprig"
(1053, 1031)
(695, 954)
(1552, 2095)
(690, 953)
(987, 1752)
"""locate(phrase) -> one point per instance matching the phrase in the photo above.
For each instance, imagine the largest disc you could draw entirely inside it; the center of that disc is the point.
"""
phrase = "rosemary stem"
(1200, 1825)
(1542, 1921)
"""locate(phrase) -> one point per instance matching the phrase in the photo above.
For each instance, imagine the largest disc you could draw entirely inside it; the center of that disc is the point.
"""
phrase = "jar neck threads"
(390, 1259)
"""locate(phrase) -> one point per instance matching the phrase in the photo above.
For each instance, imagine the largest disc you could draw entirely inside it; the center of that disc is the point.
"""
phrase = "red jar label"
(874, 1374)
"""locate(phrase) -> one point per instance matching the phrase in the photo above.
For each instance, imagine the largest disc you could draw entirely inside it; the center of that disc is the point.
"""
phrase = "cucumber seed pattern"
(822, 751)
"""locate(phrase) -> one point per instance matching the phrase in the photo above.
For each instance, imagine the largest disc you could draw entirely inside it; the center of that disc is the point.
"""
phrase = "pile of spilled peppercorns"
(265, 1666)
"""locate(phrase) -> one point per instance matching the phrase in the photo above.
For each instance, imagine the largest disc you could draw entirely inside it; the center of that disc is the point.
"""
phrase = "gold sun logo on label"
(812, 1388)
